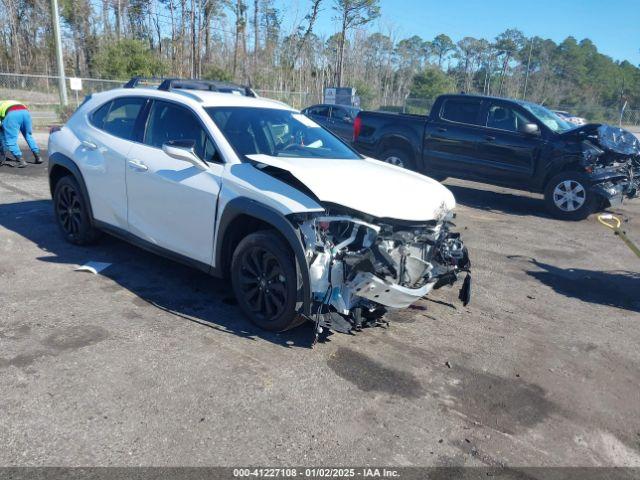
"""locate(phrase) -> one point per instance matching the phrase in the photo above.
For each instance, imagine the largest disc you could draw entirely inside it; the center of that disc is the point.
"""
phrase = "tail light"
(357, 125)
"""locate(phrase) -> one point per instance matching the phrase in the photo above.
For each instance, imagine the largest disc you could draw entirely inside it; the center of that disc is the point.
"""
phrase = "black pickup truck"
(511, 143)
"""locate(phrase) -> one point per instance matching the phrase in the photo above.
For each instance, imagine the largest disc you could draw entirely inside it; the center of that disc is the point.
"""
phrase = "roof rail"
(207, 85)
(167, 84)
(140, 81)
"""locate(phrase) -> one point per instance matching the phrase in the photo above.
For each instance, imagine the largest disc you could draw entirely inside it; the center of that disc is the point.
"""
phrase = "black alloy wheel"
(72, 214)
(265, 281)
(69, 210)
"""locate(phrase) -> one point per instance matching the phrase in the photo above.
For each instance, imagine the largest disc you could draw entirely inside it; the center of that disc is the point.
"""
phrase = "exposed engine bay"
(612, 155)
(359, 269)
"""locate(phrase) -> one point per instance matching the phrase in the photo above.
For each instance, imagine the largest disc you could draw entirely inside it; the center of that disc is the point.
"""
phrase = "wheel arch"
(243, 216)
(61, 166)
(398, 142)
(568, 164)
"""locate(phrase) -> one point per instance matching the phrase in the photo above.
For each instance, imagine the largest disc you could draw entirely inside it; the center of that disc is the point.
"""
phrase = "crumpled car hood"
(618, 140)
(609, 138)
(368, 186)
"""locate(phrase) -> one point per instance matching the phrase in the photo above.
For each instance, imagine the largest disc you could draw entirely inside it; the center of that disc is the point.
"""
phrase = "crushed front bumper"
(614, 188)
(391, 295)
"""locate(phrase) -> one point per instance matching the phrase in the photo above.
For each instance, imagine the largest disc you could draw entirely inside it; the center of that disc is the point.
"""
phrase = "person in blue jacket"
(16, 119)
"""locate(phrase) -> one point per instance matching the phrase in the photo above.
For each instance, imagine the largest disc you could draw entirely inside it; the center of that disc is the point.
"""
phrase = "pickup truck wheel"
(72, 214)
(264, 281)
(399, 158)
(567, 196)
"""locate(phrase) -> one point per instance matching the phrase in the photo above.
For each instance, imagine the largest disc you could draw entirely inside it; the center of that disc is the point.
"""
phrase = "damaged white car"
(250, 189)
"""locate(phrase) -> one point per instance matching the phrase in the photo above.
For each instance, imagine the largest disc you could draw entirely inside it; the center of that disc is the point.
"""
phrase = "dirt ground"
(151, 363)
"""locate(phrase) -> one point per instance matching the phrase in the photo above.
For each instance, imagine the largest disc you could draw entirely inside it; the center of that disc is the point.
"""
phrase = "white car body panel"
(369, 186)
(172, 203)
(244, 180)
(103, 168)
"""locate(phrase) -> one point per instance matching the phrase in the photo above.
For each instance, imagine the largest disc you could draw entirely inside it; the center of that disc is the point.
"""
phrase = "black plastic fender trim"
(245, 206)
(64, 161)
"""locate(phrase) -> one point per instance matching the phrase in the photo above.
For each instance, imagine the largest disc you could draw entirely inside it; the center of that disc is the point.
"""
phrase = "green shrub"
(128, 58)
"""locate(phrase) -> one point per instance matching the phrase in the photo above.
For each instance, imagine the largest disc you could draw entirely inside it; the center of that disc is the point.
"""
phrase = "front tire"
(568, 197)
(265, 282)
(72, 213)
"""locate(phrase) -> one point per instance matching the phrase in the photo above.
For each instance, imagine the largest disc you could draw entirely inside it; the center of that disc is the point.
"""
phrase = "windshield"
(277, 133)
(550, 119)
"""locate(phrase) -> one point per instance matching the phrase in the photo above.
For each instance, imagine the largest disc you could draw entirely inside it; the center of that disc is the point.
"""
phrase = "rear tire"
(399, 158)
(567, 196)
(72, 213)
(265, 281)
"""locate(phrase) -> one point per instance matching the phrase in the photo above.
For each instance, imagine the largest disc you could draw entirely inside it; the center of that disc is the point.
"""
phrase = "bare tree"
(352, 14)
(240, 11)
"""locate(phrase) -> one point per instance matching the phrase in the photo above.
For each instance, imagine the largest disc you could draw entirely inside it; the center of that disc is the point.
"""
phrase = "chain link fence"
(41, 94)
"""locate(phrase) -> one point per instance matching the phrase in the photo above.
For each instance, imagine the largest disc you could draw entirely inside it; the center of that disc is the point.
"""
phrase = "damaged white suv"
(249, 188)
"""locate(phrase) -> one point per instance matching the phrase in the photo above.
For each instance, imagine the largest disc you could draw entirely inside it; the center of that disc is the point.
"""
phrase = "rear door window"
(339, 113)
(118, 117)
(97, 117)
(320, 111)
(461, 110)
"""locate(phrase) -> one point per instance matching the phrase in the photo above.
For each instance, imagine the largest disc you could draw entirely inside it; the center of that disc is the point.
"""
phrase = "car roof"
(487, 97)
(331, 105)
(201, 97)
(215, 99)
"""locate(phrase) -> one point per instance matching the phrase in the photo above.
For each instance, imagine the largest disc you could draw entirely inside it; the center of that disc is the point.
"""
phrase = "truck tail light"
(357, 125)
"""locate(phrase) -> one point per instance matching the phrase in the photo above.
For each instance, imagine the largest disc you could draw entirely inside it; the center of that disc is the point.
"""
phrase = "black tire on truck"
(72, 213)
(399, 158)
(265, 281)
(567, 196)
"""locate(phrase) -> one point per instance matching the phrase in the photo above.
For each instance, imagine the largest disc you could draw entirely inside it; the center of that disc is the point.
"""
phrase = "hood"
(368, 186)
(608, 138)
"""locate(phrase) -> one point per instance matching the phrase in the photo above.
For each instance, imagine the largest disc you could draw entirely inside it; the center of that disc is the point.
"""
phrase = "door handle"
(489, 138)
(442, 129)
(89, 145)
(137, 165)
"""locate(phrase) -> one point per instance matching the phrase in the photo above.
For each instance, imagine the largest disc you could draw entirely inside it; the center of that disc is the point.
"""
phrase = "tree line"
(248, 41)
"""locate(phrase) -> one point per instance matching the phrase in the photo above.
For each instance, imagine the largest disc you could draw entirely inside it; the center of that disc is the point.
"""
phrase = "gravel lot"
(150, 363)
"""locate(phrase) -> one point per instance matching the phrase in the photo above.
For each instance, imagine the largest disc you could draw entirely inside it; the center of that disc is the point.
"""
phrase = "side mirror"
(183, 150)
(530, 129)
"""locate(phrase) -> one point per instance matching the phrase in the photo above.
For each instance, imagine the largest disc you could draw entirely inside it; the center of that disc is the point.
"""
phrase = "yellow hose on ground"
(614, 223)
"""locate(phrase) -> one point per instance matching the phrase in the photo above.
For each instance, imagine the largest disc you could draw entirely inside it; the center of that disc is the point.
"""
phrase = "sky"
(613, 25)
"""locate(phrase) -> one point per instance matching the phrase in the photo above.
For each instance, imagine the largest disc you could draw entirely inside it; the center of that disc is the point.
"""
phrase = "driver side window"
(168, 121)
(505, 118)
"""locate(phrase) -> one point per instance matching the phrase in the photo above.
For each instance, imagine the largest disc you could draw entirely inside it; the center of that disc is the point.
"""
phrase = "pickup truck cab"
(512, 143)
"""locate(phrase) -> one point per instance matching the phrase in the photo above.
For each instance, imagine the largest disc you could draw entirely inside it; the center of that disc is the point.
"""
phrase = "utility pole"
(526, 78)
(62, 84)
